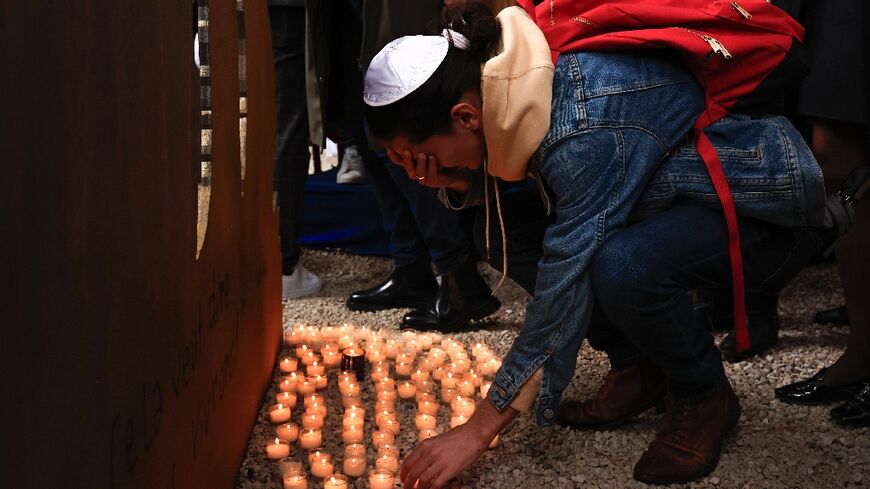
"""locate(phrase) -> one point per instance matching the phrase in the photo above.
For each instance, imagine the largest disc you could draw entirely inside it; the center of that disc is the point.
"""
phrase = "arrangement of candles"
(426, 369)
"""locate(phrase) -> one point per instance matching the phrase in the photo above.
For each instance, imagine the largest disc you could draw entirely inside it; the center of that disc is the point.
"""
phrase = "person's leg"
(411, 284)
(291, 144)
(641, 276)
(840, 148)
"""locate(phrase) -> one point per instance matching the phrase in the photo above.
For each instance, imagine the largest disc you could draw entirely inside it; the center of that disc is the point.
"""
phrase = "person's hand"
(434, 462)
(426, 170)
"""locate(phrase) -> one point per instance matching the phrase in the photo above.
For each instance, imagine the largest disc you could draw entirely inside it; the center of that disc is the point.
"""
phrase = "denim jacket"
(617, 151)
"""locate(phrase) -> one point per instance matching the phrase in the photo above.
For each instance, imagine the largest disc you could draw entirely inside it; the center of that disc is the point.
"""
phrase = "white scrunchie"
(457, 39)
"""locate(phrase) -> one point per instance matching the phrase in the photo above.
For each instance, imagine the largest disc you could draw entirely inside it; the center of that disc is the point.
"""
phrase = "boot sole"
(405, 304)
(701, 473)
(461, 322)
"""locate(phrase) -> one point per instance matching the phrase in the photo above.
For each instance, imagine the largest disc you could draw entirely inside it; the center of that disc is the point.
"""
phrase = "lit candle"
(427, 433)
(310, 358)
(484, 389)
(349, 388)
(295, 481)
(457, 420)
(448, 380)
(427, 407)
(407, 389)
(463, 406)
(322, 466)
(386, 384)
(320, 381)
(381, 479)
(391, 425)
(403, 369)
(387, 461)
(332, 359)
(419, 374)
(352, 434)
(426, 396)
(386, 395)
(310, 438)
(384, 415)
(379, 373)
(312, 419)
(448, 395)
(286, 398)
(315, 368)
(425, 421)
(337, 481)
(288, 383)
(381, 436)
(287, 431)
(350, 400)
(306, 386)
(288, 365)
(302, 350)
(466, 387)
(354, 450)
(354, 466)
(277, 449)
(279, 413)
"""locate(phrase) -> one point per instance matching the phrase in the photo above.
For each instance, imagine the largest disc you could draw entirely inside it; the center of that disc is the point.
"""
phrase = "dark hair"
(426, 111)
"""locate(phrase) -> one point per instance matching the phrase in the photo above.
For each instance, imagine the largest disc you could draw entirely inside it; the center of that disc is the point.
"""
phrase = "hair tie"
(456, 38)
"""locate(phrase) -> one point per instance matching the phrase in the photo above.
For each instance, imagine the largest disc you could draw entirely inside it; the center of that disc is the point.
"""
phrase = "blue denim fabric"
(616, 119)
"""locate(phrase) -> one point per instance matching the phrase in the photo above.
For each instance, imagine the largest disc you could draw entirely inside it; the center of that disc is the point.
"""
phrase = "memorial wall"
(137, 354)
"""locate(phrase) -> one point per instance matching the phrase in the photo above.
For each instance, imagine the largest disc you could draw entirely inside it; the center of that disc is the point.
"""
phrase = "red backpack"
(738, 51)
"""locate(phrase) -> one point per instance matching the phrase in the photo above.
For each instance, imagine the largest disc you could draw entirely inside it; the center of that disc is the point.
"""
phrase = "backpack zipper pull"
(742, 11)
(716, 46)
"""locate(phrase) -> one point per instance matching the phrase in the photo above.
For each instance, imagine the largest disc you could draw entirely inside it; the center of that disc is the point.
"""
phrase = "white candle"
(312, 419)
(286, 398)
(427, 433)
(287, 431)
(448, 380)
(354, 466)
(352, 434)
(279, 413)
(419, 374)
(407, 389)
(381, 479)
(296, 481)
(311, 438)
(448, 395)
(466, 387)
(427, 407)
(457, 420)
(381, 436)
(403, 369)
(306, 386)
(288, 365)
(277, 449)
(320, 381)
(315, 368)
(355, 450)
(288, 383)
(322, 466)
(425, 421)
(387, 461)
(337, 481)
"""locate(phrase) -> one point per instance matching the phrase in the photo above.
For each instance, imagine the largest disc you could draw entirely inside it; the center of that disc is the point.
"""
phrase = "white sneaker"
(301, 283)
(351, 169)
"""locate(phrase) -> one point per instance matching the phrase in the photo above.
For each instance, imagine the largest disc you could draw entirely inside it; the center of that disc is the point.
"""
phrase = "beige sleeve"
(528, 394)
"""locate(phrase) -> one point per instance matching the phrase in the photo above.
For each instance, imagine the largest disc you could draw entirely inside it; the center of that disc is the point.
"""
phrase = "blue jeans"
(617, 119)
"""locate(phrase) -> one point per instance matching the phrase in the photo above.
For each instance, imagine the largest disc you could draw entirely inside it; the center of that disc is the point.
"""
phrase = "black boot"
(462, 296)
(836, 315)
(409, 286)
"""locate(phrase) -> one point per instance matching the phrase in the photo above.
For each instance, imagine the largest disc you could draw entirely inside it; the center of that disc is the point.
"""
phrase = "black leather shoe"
(836, 315)
(856, 411)
(811, 391)
(409, 286)
(462, 296)
(763, 335)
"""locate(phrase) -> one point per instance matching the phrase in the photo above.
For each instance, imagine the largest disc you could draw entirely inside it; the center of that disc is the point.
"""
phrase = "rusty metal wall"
(131, 362)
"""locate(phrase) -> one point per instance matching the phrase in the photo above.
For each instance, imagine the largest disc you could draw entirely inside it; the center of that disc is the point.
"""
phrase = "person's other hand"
(426, 170)
(436, 461)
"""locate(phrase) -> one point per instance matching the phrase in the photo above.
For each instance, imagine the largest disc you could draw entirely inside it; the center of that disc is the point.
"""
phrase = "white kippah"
(405, 64)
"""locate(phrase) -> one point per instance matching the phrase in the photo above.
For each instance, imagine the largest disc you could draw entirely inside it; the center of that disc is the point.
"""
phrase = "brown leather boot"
(625, 393)
(690, 439)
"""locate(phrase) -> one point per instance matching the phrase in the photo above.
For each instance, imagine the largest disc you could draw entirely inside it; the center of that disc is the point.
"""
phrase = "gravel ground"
(776, 445)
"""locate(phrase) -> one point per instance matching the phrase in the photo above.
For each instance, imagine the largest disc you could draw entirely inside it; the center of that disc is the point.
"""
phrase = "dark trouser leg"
(291, 144)
(642, 272)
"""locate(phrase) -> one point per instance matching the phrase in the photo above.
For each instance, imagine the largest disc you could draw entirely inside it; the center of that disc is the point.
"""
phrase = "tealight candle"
(391, 348)
(403, 369)
(457, 420)
(381, 436)
(306, 386)
(315, 368)
(336, 481)
(387, 461)
(352, 434)
(332, 359)
(448, 395)
(310, 358)
(419, 374)
(386, 384)
(427, 407)
(277, 449)
(320, 381)
(427, 433)
(322, 465)
(288, 383)
(382, 416)
(310, 438)
(279, 413)
(426, 396)
(425, 421)
(407, 389)
(286, 398)
(381, 479)
(349, 388)
(354, 466)
(448, 380)
(288, 465)
(484, 389)
(287, 431)
(425, 385)
(465, 406)
(354, 450)
(312, 419)
(386, 395)
(288, 365)
(302, 350)
(295, 481)
(350, 400)
(391, 425)
(379, 373)
(466, 387)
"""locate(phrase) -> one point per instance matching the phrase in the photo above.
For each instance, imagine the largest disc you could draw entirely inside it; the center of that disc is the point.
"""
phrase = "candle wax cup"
(288, 365)
(427, 407)
(277, 449)
(380, 479)
(321, 468)
(353, 434)
(335, 483)
(387, 462)
(407, 390)
(280, 414)
(354, 466)
(287, 431)
(310, 439)
(296, 481)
